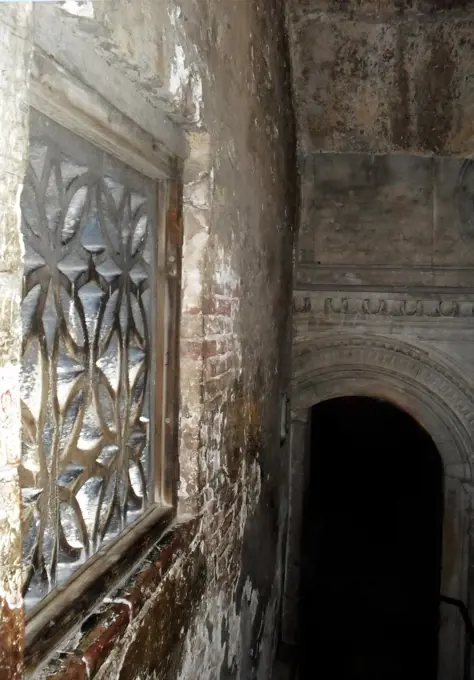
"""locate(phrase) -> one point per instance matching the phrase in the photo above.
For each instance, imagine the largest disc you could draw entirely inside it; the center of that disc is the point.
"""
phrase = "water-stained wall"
(217, 614)
(384, 76)
(220, 71)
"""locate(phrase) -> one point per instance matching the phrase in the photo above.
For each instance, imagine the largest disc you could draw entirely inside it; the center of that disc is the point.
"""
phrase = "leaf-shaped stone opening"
(92, 297)
(109, 362)
(72, 266)
(68, 477)
(138, 273)
(115, 191)
(74, 212)
(139, 235)
(107, 212)
(106, 408)
(72, 406)
(49, 549)
(92, 239)
(109, 512)
(50, 318)
(125, 221)
(137, 202)
(137, 480)
(109, 319)
(138, 387)
(108, 455)
(31, 214)
(73, 323)
(138, 318)
(88, 497)
(110, 271)
(29, 310)
(31, 378)
(124, 315)
(53, 198)
(30, 526)
(37, 156)
(91, 432)
(71, 526)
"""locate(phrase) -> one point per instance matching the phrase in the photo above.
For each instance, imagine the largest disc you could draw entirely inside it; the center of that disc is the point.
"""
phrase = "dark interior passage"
(371, 545)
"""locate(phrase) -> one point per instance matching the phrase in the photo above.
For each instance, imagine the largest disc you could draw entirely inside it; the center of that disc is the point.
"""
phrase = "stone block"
(384, 84)
(453, 213)
(368, 210)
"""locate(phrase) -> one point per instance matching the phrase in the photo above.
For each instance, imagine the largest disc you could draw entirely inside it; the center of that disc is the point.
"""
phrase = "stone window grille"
(100, 310)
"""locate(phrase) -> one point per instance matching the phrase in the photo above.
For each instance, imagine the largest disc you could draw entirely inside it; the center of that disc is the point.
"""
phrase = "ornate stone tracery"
(424, 383)
(85, 379)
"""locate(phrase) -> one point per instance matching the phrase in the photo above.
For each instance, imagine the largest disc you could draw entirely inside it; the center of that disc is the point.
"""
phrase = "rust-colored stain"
(11, 641)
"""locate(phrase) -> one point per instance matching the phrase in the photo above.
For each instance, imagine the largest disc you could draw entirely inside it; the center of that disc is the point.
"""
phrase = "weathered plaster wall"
(239, 213)
(88, 49)
(221, 69)
(384, 76)
(15, 59)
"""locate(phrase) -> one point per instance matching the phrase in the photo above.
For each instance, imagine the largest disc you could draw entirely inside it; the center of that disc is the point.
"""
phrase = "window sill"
(64, 610)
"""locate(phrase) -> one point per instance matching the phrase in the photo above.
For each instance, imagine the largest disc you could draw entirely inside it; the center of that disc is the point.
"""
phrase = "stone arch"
(431, 388)
(424, 383)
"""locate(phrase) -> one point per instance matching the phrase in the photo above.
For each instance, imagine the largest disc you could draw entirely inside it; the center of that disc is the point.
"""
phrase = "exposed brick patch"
(11, 639)
(191, 349)
(191, 326)
(97, 643)
(146, 583)
(207, 348)
(219, 365)
(193, 311)
(217, 306)
(218, 325)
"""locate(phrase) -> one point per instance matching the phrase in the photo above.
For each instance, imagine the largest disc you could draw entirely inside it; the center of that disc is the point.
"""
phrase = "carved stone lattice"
(85, 469)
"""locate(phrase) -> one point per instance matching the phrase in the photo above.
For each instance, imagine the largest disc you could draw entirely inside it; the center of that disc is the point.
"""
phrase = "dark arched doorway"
(371, 547)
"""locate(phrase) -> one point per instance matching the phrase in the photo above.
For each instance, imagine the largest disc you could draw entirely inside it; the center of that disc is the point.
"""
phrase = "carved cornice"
(382, 306)
(301, 304)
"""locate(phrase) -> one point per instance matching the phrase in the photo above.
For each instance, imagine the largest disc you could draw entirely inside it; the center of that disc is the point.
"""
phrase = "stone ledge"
(111, 623)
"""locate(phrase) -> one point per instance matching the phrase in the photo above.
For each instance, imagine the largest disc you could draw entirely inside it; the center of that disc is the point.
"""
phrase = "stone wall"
(239, 214)
(15, 25)
(383, 302)
(209, 605)
(383, 99)
(384, 76)
(383, 307)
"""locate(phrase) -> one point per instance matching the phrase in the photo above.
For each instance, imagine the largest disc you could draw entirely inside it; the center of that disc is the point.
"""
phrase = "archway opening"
(371, 545)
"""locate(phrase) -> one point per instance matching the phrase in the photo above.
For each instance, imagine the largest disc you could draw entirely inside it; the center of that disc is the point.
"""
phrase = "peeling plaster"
(222, 610)
(78, 8)
(185, 84)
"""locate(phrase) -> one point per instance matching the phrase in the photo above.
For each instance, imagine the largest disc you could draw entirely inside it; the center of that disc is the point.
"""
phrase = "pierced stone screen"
(86, 472)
